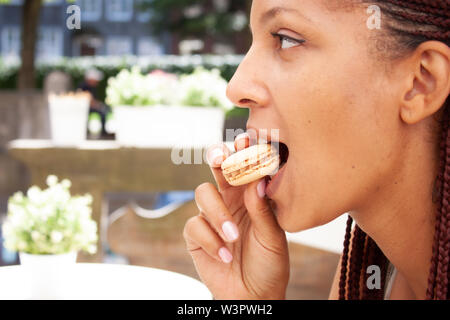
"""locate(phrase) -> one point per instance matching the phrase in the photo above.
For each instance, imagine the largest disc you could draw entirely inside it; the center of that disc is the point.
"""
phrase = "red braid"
(443, 219)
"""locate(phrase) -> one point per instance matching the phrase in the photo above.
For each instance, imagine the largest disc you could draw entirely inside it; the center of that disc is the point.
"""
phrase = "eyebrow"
(276, 11)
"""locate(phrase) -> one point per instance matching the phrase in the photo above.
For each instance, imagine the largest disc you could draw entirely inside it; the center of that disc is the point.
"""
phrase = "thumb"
(260, 212)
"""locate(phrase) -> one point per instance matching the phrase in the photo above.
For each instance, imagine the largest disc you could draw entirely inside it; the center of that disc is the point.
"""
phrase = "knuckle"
(189, 227)
(204, 187)
(264, 209)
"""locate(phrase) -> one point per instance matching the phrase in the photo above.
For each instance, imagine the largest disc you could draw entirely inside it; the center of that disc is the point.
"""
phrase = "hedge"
(111, 66)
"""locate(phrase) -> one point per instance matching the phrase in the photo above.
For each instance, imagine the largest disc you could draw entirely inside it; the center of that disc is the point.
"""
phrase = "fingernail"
(242, 141)
(242, 136)
(230, 230)
(215, 156)
(261, 188)
(225, 255)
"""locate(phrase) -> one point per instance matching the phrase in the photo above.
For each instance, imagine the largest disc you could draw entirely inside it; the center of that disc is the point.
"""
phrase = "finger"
(212, 206)
(215, 155)
(260, 212)
(199, 235)
(242, 141)
(253, 136)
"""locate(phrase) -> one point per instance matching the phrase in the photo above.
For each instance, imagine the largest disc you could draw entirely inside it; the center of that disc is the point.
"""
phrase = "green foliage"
(76, 67)
(111, 66)
(170, 15)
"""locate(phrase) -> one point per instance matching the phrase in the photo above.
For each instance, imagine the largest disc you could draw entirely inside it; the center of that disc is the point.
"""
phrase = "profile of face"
(312, 73)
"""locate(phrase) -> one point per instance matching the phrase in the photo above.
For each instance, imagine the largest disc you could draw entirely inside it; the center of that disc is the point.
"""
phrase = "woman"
(361, 103)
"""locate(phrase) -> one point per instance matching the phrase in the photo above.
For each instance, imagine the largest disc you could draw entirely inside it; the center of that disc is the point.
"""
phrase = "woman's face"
(312, 73)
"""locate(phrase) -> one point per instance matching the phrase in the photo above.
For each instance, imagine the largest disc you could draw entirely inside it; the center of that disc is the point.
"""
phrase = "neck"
(400, 218)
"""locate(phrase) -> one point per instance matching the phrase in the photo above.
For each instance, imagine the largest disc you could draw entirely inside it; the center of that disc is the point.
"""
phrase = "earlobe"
(410, 115)
(430, 82)
(412, 112)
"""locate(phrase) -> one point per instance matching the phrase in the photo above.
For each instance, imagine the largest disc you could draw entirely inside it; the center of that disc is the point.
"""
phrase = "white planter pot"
(68, 120)
(169, 126)
(49, 274)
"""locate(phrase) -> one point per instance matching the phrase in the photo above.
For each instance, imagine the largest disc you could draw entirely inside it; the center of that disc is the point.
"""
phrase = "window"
(118, 46)
(50, 43)
(148, 46)
(87, 45)
(10, 40)
(119, 10)
(91, 10)
(143, 13)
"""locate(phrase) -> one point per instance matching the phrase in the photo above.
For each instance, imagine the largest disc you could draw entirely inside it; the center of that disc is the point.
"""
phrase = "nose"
(247, 88)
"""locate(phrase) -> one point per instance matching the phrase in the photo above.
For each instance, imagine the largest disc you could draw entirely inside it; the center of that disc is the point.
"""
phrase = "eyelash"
(282, 37)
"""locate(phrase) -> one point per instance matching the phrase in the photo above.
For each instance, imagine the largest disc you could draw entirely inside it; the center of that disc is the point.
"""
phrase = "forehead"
(318, 9)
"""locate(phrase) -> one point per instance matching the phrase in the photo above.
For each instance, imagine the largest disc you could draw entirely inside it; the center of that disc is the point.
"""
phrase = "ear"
(428, 84)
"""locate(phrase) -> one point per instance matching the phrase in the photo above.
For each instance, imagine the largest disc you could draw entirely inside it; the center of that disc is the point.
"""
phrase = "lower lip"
(274, 184)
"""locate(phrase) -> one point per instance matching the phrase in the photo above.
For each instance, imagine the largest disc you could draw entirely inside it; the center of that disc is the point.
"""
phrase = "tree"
(30, 21)
(206, 19)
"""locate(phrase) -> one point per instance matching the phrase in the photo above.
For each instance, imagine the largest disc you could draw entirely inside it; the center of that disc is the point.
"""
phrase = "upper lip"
(275, 141)
(268, 138)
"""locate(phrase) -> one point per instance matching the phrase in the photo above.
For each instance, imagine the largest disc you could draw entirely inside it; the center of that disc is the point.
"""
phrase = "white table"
(93, 281)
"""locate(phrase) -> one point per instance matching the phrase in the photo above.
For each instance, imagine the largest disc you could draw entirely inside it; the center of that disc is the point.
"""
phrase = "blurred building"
(108, 27)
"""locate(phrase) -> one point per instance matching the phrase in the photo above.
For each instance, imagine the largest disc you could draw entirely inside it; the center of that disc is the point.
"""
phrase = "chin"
(290, 221)
(284, 217)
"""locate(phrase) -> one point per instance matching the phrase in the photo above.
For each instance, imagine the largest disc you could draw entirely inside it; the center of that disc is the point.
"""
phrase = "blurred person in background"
(92, 78)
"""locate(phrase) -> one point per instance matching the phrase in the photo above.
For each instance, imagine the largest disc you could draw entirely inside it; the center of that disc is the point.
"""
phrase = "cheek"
(341, 136)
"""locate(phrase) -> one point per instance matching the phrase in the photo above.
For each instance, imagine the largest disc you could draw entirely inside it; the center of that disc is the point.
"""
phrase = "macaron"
(251, 164)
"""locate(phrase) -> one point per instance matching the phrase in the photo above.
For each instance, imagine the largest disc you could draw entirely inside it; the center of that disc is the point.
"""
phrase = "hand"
(238, 248)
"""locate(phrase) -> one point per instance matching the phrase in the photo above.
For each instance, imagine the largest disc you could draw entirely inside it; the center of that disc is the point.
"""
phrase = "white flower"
(56, 236)
(34, 194)
(18, 197)
(22, 245)
(35, 235)
(52, 180)
(33, 210)
(92, 249)
(66, 183)
(17, 215)
(85, 212)
(7, 229)
(47, 210)
(204, 88)
(15, 209)
(88, 198)
(59, 194)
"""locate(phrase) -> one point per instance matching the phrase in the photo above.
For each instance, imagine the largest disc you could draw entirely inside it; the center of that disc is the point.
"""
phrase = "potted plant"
(48, 227)
(163, 110)
(69, 117)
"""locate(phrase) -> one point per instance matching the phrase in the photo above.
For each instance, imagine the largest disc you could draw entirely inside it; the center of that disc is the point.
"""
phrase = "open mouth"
(284, 154)
(283, 151)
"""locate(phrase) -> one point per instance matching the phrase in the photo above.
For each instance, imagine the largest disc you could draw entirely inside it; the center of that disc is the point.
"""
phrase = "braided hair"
(409, 23)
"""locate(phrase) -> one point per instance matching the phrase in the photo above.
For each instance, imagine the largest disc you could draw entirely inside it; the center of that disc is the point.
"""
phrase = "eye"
(286, 41)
